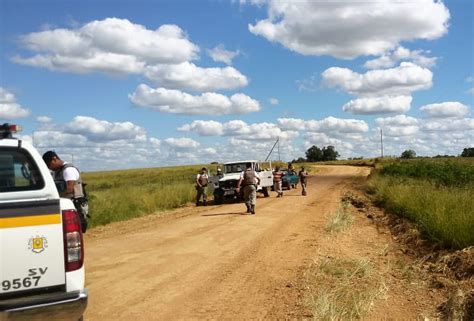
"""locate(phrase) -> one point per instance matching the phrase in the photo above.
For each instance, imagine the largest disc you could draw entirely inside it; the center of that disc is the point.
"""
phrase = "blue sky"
(122, 84)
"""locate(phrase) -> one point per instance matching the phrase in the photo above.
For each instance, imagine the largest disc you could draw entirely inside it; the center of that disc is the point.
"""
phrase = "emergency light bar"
(6, 130)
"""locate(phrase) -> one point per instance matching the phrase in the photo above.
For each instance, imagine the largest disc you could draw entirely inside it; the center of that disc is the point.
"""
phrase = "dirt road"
(215, 262)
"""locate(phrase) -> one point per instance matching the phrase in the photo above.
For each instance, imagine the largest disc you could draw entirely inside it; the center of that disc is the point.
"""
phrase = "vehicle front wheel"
(265, 192)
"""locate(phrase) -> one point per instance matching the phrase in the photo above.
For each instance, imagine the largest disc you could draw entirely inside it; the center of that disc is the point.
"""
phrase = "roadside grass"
(369, 162)
(122, 195)
(435, 194)
(341, 220)
(343, 289)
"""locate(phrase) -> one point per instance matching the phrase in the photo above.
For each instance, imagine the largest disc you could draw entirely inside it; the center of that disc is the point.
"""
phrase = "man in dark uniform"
(249, 180)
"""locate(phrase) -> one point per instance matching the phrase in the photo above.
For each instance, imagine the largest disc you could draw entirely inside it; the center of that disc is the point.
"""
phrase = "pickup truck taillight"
(73, 244)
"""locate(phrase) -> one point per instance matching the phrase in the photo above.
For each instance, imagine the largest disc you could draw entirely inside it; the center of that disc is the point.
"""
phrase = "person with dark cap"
(202, 179)
(249, 180)
(69, 183)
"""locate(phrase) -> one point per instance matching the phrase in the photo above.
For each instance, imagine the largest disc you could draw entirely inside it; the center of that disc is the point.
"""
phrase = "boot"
(252, 209)
(248, 208)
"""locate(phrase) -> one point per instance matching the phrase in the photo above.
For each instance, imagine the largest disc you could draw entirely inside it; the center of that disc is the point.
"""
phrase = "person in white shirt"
(69, 183)
(202, 179)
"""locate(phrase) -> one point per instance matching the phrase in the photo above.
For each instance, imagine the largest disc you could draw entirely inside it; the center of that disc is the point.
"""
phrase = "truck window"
(18, 171)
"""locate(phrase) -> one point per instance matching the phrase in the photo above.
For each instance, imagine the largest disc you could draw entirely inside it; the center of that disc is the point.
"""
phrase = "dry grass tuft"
(341, 220)
(343, 289)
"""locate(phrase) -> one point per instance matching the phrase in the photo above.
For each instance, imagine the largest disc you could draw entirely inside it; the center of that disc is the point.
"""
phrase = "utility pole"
(381, 142)
(279, 158)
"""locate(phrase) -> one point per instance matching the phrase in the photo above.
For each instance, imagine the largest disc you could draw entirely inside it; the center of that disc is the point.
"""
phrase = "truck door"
(31, 232)
(265, 174)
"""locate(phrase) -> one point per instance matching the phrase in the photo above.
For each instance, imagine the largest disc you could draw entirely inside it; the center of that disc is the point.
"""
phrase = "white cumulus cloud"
(449, 109)
(182, 143)
(44, 119)
(111, 45)
(330, 125)
(9, 108)
(347, 29)
(450, 125)
(220, 54)
(291, 123)
(178, 102)
(398, 126)
(239, 129)
(401, 80)
(101, 130)
(187, 75)
(401, 54)
(204, 128)
(338, 125)
(378, 105)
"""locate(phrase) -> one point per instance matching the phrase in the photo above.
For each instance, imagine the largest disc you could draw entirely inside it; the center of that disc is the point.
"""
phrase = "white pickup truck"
(225, 186)
(41, 244)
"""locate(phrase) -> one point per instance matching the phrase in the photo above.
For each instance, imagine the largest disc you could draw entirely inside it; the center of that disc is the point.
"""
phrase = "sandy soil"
(215, 262)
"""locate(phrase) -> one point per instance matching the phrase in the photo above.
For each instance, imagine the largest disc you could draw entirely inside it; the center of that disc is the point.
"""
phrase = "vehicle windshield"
(234, 168)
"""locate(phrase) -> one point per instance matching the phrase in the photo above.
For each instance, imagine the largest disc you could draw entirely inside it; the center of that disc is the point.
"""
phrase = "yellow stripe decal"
(30, 220)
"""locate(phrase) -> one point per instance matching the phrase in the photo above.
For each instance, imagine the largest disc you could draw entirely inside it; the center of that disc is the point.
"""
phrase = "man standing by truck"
(278, 181)
(202, 180)
(249, 179)
(68, 180)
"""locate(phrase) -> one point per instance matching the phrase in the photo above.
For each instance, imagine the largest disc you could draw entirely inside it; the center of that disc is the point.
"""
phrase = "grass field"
(122, 195)
(437, 194)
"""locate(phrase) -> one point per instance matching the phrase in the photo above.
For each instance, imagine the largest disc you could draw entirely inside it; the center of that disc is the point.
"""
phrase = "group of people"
(278, 179)
(248, 182)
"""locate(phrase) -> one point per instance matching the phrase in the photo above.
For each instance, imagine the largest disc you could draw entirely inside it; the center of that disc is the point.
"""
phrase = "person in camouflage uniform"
(249, 180)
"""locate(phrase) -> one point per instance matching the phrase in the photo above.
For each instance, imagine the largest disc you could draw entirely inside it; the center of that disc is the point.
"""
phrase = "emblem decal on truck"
(37, 244)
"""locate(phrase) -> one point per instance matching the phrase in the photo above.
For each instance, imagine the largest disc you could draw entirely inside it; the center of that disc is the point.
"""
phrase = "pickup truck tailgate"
(31, 236)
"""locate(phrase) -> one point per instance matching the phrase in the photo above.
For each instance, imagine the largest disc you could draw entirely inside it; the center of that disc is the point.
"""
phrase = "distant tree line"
(468, 152)
(410, 153)
(316, 154)
(329, 153)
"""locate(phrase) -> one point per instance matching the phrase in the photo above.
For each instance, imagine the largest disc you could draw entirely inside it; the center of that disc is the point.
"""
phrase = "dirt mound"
(460, 306)
(461, 263)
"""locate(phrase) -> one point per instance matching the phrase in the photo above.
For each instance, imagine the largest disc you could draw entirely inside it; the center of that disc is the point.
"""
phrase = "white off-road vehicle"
(225, 186)
(41, 244)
